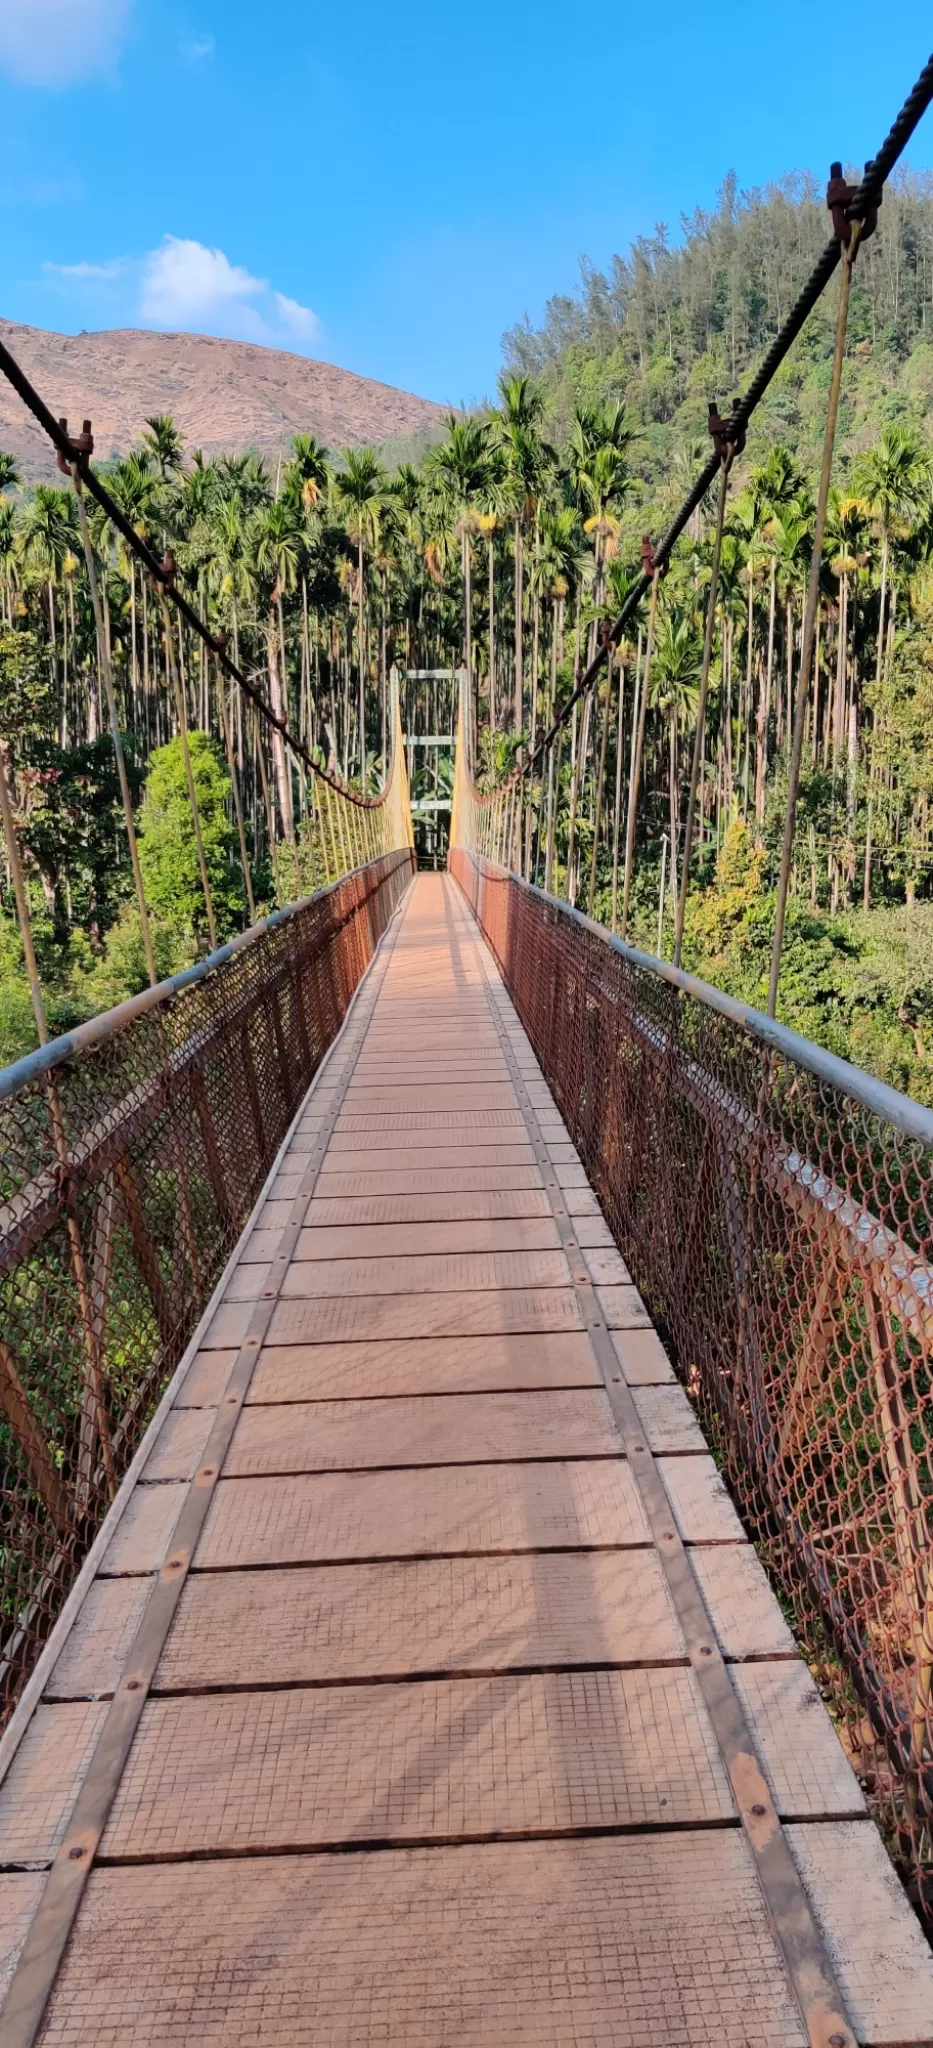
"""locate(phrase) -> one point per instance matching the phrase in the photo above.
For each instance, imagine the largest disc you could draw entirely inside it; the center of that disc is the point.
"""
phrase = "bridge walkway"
(424, 1756)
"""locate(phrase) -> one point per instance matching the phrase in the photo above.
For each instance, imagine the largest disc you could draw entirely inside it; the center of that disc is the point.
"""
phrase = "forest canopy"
(504, 548)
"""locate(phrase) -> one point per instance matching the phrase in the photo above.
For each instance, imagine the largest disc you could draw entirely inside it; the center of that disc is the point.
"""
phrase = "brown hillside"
(222, 394)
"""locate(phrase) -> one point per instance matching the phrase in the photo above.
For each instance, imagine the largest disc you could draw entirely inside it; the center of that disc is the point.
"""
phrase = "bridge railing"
(133, 1151)
(774, 1205)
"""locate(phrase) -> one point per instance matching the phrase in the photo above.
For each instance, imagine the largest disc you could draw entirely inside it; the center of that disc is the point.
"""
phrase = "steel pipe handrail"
(98, 1030)
(877, 1096)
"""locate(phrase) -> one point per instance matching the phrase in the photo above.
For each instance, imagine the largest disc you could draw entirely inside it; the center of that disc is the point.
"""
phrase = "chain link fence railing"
(775, 1207)
(133, 1152)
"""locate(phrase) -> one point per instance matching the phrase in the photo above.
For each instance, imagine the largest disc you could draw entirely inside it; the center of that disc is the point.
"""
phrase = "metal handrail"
(877, 1096)
(97, 1030)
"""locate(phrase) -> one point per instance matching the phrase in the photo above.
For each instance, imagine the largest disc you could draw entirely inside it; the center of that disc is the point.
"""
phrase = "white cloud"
(195, 49)
(298, 319)
(85, 271)
(184, 282)
(59, 42)
(186, 285)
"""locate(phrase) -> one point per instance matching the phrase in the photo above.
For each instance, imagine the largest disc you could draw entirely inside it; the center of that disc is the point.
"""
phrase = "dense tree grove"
(504, 549)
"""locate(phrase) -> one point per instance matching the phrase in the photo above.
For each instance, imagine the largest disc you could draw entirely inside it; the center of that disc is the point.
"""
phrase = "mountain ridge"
(223, 395)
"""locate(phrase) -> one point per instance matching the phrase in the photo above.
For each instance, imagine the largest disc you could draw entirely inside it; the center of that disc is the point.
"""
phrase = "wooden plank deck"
(426, 1756)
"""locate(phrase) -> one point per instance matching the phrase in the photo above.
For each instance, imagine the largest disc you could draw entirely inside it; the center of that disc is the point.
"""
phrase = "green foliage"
(66, 798)
(167, 845)
(120, 970)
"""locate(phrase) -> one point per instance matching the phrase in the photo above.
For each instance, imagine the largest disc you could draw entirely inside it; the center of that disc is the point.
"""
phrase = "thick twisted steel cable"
(75, 458)
(867, 195)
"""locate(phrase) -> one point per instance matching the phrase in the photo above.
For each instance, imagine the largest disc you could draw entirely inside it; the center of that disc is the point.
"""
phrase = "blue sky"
(391, 187)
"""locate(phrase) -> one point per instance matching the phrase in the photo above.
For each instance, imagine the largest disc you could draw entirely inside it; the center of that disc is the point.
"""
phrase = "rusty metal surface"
(56, 1914)
(130, 1167)
(683, 1501)
(416, 1593)
(779, 1226)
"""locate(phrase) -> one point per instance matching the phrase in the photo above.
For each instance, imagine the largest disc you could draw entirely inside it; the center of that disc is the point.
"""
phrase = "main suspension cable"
(74, 453)
(863, 201)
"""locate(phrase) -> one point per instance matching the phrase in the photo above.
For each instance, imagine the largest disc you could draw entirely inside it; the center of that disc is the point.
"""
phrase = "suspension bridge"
(387, 1653)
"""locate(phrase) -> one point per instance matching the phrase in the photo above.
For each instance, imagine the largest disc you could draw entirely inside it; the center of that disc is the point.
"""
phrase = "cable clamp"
(81, 447)
(840, 196)
(728, 438)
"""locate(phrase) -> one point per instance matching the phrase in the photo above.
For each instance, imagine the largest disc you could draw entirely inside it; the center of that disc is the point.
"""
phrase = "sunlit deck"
(447, 1631)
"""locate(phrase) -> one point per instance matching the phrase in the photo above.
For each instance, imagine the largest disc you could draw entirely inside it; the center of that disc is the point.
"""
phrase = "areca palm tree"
(7, 558)
(598, 466)
(458, 469)
(47, 535)
(893, 478)
(405, 505)
(276, 539)
(306, 483)
(360, 494)
(675, 689)
(520, 418)
(788, 531)
(772, 488)
(164, 444)
(556, 572)
(308, 472)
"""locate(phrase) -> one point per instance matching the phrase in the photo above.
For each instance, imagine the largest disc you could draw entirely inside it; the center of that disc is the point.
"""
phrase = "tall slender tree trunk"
(772, 607)
(363, 664)
(727, 718)
(761, 746)
(282, 772)
(519, 595)
(749, 670)
(673, 806)
(492, 633)
(882, 607)
(838, 718)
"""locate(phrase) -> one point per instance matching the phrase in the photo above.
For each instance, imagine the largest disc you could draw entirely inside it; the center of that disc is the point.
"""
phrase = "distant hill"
(222, 395)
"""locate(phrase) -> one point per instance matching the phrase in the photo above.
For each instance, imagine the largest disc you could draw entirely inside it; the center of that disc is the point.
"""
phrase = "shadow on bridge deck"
(427, 1621)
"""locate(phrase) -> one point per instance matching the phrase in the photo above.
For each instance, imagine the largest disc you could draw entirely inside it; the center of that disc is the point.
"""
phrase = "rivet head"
(77, 1854)
(838, 2041)
(705, 1651)
(132, 1685)
(758, 1809)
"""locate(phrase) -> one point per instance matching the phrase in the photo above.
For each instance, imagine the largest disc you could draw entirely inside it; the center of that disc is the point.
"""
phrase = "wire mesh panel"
(133, 1153)
(778, 1222)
